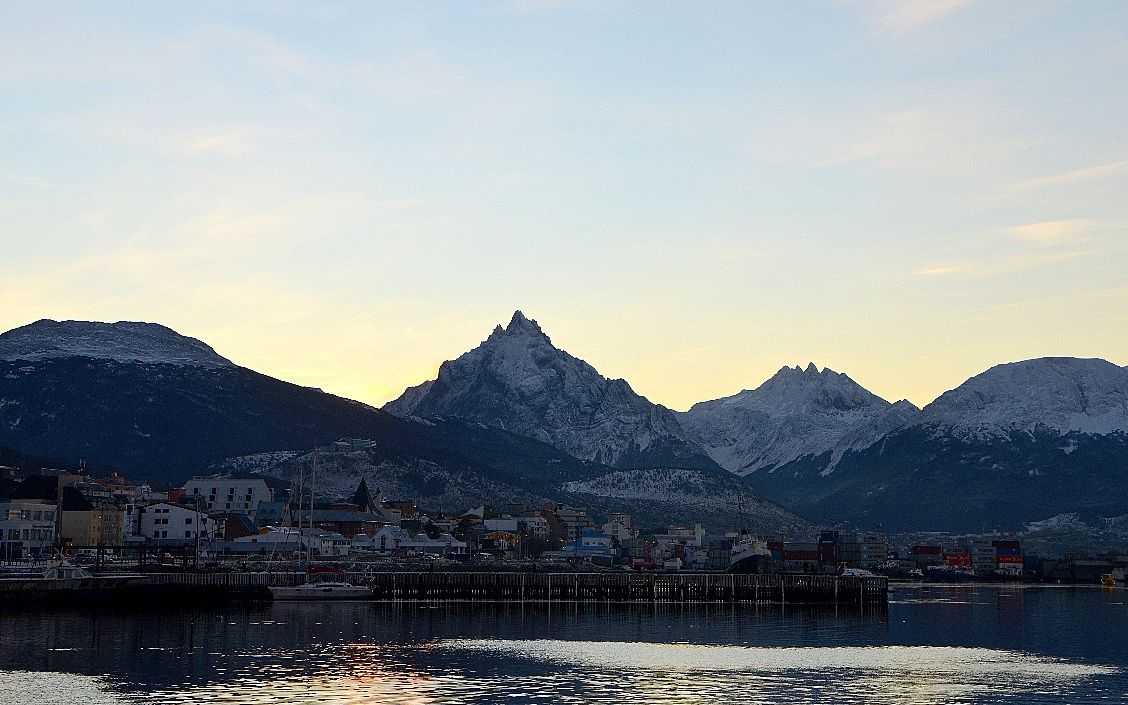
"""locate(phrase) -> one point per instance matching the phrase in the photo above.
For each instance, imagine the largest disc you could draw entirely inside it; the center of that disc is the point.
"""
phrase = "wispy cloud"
(1002, 265)
(224, 141)
(520, 7)
(1071, 176)
(1051, 231)
(907, 16)
(24, 179)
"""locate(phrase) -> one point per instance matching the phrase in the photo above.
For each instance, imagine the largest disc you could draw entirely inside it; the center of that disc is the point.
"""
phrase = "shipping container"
(927, 550)
(1010, 559)
(958, 559)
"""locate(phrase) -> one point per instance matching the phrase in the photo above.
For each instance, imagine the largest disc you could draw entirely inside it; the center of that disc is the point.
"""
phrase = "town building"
(174, 523)
(228, 494)
(90, 521)
(27, 529)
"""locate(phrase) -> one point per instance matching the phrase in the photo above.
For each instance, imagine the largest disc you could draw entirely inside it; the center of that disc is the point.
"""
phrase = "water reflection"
(934, 645)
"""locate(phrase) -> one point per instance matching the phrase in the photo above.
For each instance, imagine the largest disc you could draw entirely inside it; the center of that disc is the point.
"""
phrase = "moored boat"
(322, 591)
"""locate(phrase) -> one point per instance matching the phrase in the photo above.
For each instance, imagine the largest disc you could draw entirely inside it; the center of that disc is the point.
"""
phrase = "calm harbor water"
(935, 644)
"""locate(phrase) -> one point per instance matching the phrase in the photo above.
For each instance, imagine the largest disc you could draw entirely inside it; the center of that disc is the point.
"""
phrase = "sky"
(688, 195)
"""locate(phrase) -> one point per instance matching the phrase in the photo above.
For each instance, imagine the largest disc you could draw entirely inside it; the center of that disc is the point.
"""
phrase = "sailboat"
(318, 590)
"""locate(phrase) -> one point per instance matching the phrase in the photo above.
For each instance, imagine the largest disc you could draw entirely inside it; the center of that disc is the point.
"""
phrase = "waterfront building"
(174, 523)
(90, 520)
(228, 494)
(27, 529)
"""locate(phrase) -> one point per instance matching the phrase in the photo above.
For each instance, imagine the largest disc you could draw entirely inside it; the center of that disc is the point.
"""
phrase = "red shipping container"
(1010, 559)
(927, 550)
(800, 555)
(775, 545)
(1005, 544)
(961, 559)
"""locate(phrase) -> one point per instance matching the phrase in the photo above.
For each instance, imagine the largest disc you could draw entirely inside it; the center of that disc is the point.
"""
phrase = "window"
(187, 534)
(187, 520)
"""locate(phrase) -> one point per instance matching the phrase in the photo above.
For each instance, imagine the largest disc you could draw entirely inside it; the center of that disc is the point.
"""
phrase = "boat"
(951, 574)
(748, 555)
(322, 591)
(62, 578)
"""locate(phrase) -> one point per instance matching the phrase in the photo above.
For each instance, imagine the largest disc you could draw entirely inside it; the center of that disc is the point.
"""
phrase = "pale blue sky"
(687, 195)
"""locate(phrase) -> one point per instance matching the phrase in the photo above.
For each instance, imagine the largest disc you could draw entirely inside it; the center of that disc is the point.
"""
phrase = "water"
(966, 644)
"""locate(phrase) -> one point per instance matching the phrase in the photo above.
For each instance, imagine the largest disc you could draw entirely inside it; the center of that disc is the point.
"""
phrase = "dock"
(552, 587)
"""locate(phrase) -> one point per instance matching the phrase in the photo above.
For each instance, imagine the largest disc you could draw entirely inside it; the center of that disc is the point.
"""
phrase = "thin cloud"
(25, 180)
(1051, 231)
(907, 16)
(1006, 265)
(1071, 176)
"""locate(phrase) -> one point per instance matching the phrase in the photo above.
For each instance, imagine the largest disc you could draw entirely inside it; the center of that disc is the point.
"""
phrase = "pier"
(552, 587)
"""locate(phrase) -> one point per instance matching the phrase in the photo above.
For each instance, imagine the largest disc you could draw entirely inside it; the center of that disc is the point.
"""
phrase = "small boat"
(322, 591)
(1108, 581)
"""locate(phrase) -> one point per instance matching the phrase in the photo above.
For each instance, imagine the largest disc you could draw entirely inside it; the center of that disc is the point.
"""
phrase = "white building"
(536, 527)
(393, 538)
(27, 528)
(173, 522)
(225, 494)
(618, 530)
(287, 539)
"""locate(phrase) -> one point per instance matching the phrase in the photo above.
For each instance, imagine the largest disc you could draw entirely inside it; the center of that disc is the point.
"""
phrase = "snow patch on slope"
(797, 413)
(1051, 394)
(124, 341)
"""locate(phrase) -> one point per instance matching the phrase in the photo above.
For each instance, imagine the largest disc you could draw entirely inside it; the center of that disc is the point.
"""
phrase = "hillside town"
(227, 521)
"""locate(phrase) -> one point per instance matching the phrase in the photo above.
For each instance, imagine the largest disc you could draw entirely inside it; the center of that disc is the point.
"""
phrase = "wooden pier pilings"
(569, 587)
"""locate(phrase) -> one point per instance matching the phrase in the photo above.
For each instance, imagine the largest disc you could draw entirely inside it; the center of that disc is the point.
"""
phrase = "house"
(27, 529)
(342, 521)
(90, 521)
(394, 539)
(591, 544)
(228, 494)
(325, 543)
(174, 523)
(233, 526)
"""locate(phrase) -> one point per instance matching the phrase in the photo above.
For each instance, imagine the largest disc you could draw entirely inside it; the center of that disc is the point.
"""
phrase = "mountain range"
(145, 400)
(518, 418)
(1018, 443)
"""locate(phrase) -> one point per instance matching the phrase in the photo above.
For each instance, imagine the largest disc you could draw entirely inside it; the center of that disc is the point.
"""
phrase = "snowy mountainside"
(795, 414)
(124, 341)
(698, 495)
(655, 497)
(1050, 394)
(519, 381)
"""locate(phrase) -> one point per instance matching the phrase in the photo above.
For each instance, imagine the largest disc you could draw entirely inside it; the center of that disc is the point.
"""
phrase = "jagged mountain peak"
(517, 380)
(124, 341)
(798, 390)
(798, 412)
(520, 327)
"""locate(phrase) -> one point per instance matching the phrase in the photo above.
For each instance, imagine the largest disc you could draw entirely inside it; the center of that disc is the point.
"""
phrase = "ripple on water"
(609, 672)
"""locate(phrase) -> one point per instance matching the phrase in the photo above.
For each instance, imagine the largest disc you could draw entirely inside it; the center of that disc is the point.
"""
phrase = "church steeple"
(362, 498)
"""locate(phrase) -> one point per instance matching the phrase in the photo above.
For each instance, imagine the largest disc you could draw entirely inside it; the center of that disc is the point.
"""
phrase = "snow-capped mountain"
(124, 341)
(519, 381)
(1045, 395)
(798, 413)
(1019, 443)
(142, 399)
